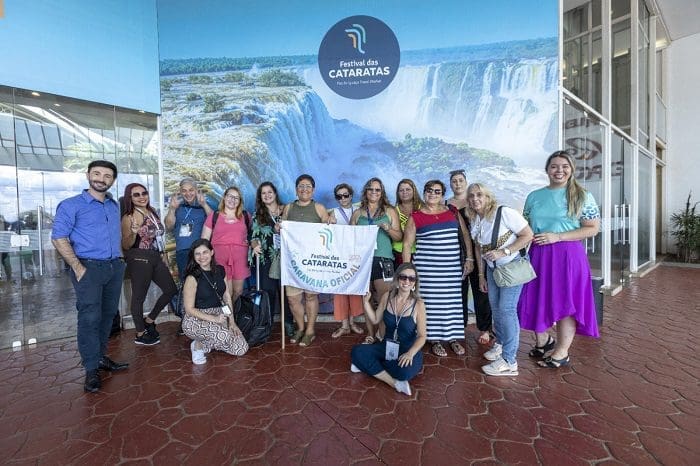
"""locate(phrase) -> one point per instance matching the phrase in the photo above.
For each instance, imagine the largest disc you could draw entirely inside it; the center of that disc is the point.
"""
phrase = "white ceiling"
(682, 17)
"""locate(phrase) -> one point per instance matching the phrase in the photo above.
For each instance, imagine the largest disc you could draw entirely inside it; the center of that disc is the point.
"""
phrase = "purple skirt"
(562, 288)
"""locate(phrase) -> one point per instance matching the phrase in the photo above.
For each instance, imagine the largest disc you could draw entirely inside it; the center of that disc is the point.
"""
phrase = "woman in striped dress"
(443, 257)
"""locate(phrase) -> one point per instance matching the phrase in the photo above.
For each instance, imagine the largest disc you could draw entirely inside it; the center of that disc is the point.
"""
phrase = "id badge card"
(392, 350)
(185, 230)
(226, 310)
(160, 243)
(276, 240)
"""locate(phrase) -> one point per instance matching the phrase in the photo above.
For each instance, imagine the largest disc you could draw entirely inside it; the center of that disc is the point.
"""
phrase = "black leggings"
(144, 266)
(482, 307)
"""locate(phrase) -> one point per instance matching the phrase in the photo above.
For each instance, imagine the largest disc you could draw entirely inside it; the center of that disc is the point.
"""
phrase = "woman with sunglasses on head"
(345, 307)
(375, 210)
(208, 320)
(513, 234)
(304, 302)
(561, 215)
(398, 358)
(227, 229)
(443, 258)
(482, 308)
(407, 200)
(143, 244)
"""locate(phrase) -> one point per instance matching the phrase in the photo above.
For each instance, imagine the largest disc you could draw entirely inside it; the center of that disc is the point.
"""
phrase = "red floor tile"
(630, 397)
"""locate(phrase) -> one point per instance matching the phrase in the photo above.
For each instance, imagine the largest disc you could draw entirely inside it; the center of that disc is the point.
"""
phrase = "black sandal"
(540, 351)
(552, 363)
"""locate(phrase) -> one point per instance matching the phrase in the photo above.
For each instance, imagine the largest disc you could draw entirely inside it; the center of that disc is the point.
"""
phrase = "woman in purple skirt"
(561, 216)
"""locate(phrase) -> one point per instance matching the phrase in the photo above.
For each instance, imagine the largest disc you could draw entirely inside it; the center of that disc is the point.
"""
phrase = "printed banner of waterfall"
(489, 109)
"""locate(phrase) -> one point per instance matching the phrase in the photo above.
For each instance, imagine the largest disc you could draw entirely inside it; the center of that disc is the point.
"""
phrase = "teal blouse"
(546, 211)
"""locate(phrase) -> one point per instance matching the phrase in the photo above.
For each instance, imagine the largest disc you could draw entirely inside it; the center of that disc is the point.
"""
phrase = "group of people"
(429, 251)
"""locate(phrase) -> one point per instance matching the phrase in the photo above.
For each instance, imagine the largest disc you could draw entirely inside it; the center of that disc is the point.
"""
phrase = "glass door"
(621, 197)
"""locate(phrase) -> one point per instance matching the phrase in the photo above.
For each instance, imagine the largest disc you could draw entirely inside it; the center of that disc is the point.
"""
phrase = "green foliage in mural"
(213, 103)
(279, 78)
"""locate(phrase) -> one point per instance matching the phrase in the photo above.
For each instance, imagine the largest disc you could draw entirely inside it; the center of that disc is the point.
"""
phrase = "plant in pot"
(686, 231)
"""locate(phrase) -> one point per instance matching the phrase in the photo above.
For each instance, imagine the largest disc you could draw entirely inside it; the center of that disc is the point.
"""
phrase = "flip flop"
(297, 336)
(340, 331)
(306, 340)
(356, 328)
(438, 349)
(457, 348)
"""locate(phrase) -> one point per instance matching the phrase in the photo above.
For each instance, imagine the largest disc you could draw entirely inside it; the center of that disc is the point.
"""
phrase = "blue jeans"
(97, 300)
(504, 308)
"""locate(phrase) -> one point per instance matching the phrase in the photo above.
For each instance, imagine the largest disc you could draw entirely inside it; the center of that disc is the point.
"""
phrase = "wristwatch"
(507, 251)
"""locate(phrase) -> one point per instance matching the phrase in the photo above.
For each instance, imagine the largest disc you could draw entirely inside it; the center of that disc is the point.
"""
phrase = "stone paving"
(631, 397)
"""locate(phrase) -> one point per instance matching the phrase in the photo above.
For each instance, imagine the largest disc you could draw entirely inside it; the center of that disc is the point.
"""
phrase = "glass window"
(621, 75)
(643, 88)
(596, 13)
(575, 21)
(644, 224)
(619, 8)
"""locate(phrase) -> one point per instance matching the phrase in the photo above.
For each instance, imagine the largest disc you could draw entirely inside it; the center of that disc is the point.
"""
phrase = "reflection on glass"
(621, 75)
(644, 226)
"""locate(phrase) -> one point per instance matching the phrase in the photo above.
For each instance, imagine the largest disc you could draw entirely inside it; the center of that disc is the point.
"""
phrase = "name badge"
(276, 240)
(185, 230)
(392, 350)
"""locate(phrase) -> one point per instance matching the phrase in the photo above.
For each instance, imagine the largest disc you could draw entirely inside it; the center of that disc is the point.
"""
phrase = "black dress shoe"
(92, 381)
(109, 365)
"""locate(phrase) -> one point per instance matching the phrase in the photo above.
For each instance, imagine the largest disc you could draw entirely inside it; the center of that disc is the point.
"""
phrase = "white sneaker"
(198, 356)
(500, 367)
(494, 353)
(354, 369)
(402, 386)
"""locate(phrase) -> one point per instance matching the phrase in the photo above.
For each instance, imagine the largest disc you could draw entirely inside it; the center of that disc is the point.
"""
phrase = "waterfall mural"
(485, 101)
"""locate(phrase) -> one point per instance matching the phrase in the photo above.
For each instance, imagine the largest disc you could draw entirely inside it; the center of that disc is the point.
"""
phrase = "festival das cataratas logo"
(359, 57)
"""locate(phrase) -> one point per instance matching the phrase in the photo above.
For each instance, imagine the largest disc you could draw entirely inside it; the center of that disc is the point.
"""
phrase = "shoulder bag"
(516, 272)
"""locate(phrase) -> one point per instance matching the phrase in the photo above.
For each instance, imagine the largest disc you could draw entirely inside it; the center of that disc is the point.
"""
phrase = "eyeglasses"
(410, 278)
(433, 191)
(233, 197)
(304, 186)
(142, 194)
(374, 190)
(342, 196)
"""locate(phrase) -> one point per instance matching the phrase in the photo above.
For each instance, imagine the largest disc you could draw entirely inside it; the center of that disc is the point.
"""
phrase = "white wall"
(683, 154)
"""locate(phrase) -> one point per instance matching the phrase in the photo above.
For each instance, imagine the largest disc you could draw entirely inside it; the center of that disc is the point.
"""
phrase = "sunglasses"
(374, 190)
(433, 191)
(232, 197)
(342, 196)
(410, 278)
(137, 195)
(458, 172)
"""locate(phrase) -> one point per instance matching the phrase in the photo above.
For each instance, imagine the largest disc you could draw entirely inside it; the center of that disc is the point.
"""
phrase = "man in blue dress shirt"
(87, 234)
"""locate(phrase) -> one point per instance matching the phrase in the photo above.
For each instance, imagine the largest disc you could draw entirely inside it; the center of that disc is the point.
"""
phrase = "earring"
(413, 288)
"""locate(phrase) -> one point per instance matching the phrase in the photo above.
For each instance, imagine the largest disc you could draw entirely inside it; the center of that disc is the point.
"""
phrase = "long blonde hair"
(575, 193)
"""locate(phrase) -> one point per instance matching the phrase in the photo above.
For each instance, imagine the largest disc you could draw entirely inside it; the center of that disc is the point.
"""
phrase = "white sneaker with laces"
(494, 353)
(500, 367)
(402, 386)
(198, 356)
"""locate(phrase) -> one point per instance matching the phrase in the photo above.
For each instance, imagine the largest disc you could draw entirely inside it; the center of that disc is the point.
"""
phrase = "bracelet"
(468, 259)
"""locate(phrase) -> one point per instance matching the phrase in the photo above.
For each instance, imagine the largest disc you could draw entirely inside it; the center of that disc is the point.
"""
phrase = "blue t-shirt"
(189, 221)
(546, 211)
(92, 227)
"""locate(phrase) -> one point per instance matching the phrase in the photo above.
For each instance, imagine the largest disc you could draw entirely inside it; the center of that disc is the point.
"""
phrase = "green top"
(546, 211)
(307, 213)
(403, 220)
(383, 239)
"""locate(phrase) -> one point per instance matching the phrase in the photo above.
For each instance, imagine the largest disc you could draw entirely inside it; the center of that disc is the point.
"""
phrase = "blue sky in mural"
(188, 32)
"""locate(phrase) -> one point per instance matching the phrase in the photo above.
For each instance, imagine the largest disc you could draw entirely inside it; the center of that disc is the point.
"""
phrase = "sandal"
(484, 338)
(457, 348)
(540, 351)
(356, 328)
(306, 340)
(552, 363)
(438, 349)
(340, 331)
(297, 336)
(369, 340)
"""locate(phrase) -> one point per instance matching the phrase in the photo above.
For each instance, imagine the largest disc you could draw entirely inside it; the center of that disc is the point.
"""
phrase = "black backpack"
(253, 315)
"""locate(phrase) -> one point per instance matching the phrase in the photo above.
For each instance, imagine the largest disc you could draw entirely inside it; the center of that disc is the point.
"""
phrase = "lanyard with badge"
(392, 344)
(186, 227)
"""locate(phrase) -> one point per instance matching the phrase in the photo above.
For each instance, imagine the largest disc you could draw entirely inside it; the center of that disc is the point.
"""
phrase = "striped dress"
(438, 263)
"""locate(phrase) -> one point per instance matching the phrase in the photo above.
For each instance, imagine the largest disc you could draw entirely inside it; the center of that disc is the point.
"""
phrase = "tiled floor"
(631, 397)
